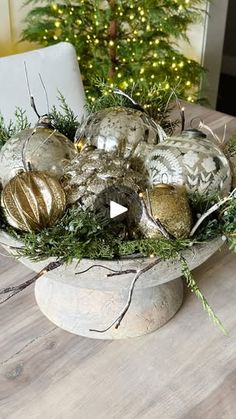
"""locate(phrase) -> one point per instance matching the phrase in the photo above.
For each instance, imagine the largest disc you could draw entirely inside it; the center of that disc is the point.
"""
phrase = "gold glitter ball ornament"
(121, 130)
(43, 147)
(170, 206)
(33, 200)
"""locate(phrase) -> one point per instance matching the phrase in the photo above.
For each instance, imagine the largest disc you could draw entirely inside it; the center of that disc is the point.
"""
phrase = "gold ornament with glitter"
(170, 206)
(33, 200)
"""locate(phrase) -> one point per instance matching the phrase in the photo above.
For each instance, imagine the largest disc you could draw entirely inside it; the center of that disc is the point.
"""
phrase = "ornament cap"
(164, 186)
(193, 133)
(44, 122)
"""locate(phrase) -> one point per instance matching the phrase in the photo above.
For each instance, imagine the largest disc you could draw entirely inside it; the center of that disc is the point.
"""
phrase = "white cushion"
(59, 70)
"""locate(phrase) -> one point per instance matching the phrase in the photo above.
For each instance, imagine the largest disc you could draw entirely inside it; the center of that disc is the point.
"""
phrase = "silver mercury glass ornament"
(128, 131)
(42, 147)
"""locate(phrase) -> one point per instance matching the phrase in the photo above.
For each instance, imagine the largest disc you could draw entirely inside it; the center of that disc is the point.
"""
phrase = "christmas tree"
(121, 42)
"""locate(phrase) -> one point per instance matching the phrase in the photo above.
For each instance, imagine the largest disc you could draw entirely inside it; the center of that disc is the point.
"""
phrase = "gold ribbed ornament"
(170, 206)
(33, 200)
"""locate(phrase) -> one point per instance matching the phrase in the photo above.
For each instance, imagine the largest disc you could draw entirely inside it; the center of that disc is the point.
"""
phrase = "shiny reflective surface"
(33, 200)
(44, 148)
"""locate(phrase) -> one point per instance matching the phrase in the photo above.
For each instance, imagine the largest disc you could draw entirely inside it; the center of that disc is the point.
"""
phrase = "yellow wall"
(12, 13)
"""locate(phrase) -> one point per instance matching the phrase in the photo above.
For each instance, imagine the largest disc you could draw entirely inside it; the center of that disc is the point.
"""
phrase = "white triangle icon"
(116, 209)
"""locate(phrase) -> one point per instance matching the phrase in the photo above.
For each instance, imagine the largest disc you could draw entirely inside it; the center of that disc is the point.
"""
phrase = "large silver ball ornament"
(44, 148)
(121, 130)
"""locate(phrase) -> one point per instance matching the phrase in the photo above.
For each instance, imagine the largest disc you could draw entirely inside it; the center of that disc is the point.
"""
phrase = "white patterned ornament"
(191, 160)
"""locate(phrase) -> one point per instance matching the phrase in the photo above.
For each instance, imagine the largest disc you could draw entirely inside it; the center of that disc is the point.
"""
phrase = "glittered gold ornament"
(191, 160)
(170, 206)
(91, 171)
(119, 129)
(43, 147)
(33, 200)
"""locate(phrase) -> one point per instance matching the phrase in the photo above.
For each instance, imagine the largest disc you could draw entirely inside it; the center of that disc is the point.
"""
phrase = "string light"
(134, 48)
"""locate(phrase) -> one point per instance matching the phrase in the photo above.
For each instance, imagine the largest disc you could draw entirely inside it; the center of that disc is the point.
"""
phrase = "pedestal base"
(78, 310)
(80, 297)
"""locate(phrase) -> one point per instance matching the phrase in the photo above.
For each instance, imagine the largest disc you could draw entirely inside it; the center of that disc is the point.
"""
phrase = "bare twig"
(45, 91)
(32, 102)
(123, 312)
(18, 288)
(10, 247)
(182, 113)
(23, 152)
(125, 272)
(207, 128)
(214, 208)
(156, 224)
(114, 272)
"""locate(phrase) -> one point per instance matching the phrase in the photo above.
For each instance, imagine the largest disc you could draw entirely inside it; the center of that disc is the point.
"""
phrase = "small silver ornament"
(191, 160)
(43, 147)
(121, 130)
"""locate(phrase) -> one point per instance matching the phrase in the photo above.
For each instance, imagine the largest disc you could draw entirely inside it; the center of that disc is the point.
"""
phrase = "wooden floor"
(187, 369)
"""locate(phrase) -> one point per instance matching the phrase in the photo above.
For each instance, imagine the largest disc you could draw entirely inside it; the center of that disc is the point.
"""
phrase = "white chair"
(58, 67)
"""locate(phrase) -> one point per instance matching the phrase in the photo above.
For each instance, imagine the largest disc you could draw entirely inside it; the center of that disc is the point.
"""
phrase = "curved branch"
(123, 312)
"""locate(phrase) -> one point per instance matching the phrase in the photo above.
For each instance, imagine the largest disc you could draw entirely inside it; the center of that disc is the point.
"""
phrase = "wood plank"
(185, 370)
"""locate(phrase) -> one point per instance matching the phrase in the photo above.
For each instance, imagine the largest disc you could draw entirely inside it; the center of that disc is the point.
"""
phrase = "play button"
(116, 209)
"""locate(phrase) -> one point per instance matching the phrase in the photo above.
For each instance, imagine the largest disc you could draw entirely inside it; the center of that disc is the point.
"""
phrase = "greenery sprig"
(191, 283)
(231, 146)
(64, 119)
(18, 123)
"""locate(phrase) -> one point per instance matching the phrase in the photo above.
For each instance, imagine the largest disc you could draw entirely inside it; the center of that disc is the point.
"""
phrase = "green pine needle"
(18, 123)
(191, 283)
(64, 119)
(231, 146)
